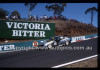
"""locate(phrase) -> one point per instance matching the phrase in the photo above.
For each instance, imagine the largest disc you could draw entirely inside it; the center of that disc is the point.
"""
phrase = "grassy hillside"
(73, 28)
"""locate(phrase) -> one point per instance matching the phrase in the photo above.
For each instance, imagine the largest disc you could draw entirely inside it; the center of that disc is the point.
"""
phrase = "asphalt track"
(47, 58)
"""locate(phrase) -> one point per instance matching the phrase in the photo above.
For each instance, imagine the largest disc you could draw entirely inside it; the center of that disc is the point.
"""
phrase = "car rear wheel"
(67, 42)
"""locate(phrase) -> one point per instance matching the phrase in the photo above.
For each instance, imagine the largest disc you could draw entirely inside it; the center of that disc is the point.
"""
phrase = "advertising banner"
(26, 30)
(26, 45)
(74, 39)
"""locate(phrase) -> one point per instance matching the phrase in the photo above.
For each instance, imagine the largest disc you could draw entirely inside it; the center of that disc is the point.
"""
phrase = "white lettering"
(30, 33)
(15, 24)
(25, 25)
(15, 32)
(47, 27)
(37, 26)
(9, 25)
(31, 26)
(42, 26)
(42, 34)
(78, 38)
(20, 34)
(24, 33)
(28, 25)
(19, 25)
(1, 48)
(36, 33)
(6, 47)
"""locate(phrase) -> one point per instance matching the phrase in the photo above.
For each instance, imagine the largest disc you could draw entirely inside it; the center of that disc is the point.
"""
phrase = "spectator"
(7, 18)
(50, 18)
(34, 18)
(16, 17)
(19, 17)
(41, 18)
(37, 17)
(45, 17)
(54, 18)
(13, 17)
(66, 19)
(29, 17)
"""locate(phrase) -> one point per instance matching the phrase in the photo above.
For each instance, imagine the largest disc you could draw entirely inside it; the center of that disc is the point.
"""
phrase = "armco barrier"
(80, 38)
(91, 36)
(33, 44)
(20, 45)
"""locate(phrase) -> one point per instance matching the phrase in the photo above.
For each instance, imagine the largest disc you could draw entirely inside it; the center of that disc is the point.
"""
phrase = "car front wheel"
(49, 46)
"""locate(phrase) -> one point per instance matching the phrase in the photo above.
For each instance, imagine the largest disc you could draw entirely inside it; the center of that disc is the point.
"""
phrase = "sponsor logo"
(35, 43)
(80, 38)
(6, 47)
(30, 33)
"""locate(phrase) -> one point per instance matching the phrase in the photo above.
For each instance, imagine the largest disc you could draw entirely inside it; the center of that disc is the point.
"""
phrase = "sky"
(71, 11)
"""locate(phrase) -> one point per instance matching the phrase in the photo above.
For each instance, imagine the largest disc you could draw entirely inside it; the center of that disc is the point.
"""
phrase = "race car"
(56, 41)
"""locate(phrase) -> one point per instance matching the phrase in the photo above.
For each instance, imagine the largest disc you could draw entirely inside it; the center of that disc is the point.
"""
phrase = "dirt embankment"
(73, 28)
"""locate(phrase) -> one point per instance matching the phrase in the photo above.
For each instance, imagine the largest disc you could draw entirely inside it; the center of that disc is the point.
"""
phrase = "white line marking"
(74, 61)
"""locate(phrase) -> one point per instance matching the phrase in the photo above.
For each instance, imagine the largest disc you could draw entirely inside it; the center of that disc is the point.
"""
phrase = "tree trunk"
(28, 11)
(91, 17)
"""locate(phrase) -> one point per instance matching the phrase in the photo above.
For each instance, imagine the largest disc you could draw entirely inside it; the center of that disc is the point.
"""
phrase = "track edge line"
(57, 66)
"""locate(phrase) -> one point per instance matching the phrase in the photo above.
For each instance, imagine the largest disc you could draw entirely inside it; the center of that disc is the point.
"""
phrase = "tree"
(16, 14)
(3, 13)
(92, 10)
(30, 7)
(57, 8)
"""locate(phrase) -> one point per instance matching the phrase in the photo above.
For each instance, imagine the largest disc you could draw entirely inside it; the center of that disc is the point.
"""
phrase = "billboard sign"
(26, 30)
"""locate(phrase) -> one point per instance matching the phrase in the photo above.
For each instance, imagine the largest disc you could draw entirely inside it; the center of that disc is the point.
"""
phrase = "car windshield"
(55, 38)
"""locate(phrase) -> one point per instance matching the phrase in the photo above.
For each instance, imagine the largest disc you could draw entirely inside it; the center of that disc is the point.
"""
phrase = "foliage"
(3, 13)
(57, 8)
(30, 7)
(92, 10)
(15, 13)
